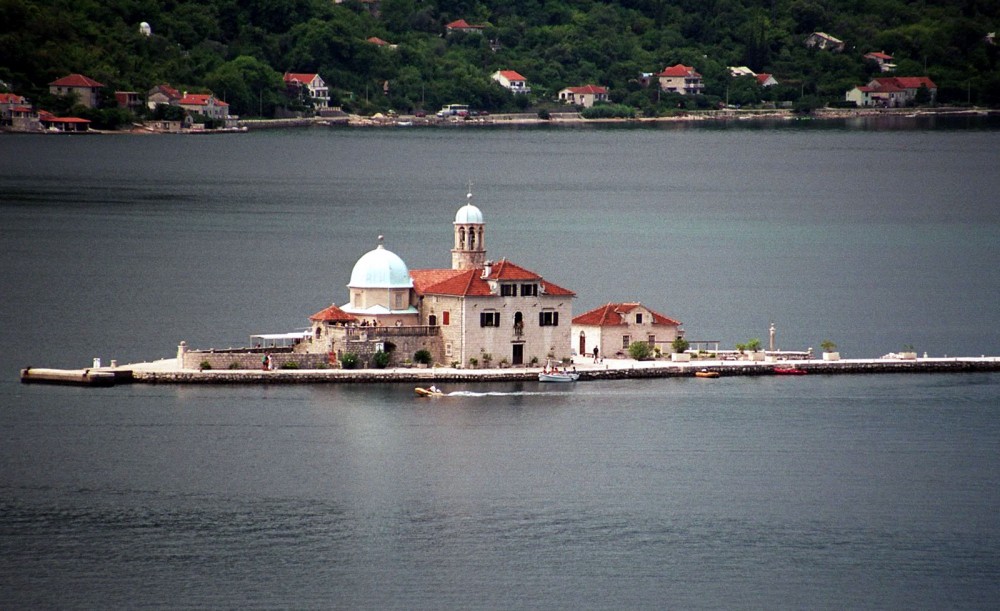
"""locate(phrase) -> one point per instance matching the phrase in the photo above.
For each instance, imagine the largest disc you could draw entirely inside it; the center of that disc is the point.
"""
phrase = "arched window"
(472, 239)
(461, 237)
(432, 320)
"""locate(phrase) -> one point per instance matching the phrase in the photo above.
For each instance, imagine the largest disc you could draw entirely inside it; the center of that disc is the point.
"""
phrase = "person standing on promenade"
(595, 354)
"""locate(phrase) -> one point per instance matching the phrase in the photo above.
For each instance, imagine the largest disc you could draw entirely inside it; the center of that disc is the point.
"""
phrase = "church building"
(493, 312)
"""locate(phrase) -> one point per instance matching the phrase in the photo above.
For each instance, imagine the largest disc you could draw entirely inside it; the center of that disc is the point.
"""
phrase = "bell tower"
(469, 251)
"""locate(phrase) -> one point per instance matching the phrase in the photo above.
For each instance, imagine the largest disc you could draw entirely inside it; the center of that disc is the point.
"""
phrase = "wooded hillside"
(239, 49)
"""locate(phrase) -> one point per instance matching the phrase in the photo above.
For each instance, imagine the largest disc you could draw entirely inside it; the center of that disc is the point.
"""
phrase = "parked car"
(420, 113)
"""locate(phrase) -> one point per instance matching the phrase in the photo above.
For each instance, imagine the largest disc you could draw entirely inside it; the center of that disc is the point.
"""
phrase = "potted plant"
(680, 346)
(829, 350)
(753, 347)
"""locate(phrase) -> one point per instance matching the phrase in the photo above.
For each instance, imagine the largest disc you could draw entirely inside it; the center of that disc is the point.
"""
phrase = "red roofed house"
(84, 88)
(681, 79)
(766, 80)
(511, 81)
(613, 327)
(892, 92)
(476, 309)
(162, 94)
(883, 60)
(313, 83)
(8, 102)
(584, 96)
(204, 104)
(461, 25)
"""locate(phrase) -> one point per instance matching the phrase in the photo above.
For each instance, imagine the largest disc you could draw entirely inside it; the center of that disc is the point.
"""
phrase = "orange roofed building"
(612, 327)
(496, 312)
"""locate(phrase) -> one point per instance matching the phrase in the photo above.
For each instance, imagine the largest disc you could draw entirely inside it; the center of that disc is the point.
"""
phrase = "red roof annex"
(613, 314)
(299, 77)
(333, 314)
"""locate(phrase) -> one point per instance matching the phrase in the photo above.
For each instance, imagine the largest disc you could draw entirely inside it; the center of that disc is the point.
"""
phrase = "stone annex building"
(493, 312)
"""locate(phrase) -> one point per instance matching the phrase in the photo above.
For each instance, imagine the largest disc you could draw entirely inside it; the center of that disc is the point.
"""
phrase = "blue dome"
(380, 268)
(469, 214)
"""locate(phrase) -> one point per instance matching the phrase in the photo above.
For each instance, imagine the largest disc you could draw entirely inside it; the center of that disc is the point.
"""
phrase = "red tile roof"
(470, 282)
(76, 80)
(588, 89)
(613, 314)
(332, 314)
(299, 77)
(167, 90)
(11, 98)
(375, 40)
(680, 70)
(462, 24)
(762, 77)
(195, 99)
(908, 82)
(879, 55)
(511, 75)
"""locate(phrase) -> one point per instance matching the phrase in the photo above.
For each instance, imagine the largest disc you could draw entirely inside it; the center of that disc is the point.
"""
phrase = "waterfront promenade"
(166, 371)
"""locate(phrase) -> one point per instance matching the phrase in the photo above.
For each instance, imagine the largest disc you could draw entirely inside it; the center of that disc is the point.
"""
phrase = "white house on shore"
(892, 92)
(584, 96)
(312, 83)
(613, 327)
(680, 79)
(511, 81)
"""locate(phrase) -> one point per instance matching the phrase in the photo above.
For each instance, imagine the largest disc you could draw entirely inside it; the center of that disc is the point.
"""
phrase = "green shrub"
(289, 365)
(204, 366)
(640, 351)
(680, 344)
(234, 365)
(422, 356)
(473, 362)
(349, 360)
(380, 360)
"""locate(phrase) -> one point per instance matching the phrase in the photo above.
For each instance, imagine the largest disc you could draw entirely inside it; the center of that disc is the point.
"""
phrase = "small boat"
(789, 371)
(555, 376)
(704, 373)
(428, 392)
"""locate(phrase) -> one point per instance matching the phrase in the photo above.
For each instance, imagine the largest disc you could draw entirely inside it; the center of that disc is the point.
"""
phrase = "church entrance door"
(517, 355)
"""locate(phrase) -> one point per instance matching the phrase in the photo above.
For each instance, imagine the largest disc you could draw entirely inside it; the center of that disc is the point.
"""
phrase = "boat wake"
(518, 393)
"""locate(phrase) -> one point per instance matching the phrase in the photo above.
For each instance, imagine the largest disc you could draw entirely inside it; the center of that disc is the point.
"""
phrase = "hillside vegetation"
(239, 49)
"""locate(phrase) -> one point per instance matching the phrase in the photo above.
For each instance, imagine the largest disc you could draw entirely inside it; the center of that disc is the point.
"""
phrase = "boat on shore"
(704, 373)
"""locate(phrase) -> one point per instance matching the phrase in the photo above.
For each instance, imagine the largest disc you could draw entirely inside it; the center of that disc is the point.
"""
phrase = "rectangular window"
(447, 349)
(652, 341)
(445, 318)
(529, 290)
(638, 319)
(489, 319)
(399, 301)
(548, 318)
(626, 340)
(508, 290)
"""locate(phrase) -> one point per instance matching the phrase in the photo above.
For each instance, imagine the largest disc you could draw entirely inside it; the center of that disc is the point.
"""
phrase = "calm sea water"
(827, 492)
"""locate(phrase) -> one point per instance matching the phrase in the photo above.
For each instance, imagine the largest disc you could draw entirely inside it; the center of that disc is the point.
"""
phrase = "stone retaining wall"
(426, 376)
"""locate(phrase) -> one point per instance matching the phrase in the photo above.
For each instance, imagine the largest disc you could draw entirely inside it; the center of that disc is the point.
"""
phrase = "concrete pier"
(166, 372)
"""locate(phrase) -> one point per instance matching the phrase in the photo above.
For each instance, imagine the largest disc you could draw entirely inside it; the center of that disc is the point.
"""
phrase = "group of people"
(267, 364)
